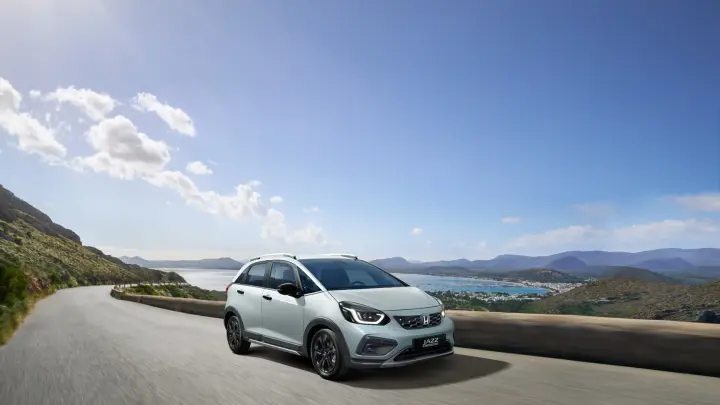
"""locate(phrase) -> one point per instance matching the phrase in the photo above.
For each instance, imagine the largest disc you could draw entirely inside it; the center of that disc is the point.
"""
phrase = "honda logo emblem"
(426, 319)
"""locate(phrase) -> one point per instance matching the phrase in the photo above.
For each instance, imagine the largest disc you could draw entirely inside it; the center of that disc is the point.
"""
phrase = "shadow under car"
(441, 371)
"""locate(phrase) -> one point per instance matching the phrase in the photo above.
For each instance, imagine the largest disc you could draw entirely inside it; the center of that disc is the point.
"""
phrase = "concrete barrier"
(215, 309)
(663, 345)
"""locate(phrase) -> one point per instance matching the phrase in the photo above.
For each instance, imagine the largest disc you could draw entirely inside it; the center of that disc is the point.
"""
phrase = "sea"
(211, 279)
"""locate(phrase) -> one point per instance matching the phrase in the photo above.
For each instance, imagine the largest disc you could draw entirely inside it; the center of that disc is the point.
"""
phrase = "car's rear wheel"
(238, 344)
(326, 356)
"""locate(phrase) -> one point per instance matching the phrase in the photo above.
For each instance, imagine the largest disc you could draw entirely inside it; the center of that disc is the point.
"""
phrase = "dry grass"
(642, 299)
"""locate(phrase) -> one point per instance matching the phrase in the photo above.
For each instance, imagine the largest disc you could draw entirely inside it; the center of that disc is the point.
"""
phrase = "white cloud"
(311, 210)
(35, 94)
(275, 228)
(276, 199)
(122, 151)
(707, 202)
(596, 209)
(416, 231)
(198, 168)
(652, 235)
(245, 203)
(175, 118)
(95, 105)
(510, 220)
(32, 136)
(9, 97)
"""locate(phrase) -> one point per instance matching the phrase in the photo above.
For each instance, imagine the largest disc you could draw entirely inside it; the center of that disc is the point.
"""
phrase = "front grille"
(417, 322)
(412, 353)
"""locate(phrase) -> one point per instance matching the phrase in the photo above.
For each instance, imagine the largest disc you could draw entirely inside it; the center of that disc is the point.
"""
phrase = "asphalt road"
(81, 346)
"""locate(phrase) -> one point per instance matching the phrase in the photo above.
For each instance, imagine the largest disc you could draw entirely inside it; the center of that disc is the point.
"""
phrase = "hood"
(387, 299)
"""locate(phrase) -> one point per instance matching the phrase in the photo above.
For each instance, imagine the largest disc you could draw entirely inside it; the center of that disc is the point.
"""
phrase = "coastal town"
(500, 301)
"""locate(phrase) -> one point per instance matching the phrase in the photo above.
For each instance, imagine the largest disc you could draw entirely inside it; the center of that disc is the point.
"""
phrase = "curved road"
(81, 346)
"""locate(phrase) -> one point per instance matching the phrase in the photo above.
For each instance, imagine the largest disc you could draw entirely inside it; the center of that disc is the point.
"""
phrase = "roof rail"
(348, 255)
(274, 254)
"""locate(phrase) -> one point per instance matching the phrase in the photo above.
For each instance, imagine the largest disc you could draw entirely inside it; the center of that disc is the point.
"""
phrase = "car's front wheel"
(237, 343)
(326, 356)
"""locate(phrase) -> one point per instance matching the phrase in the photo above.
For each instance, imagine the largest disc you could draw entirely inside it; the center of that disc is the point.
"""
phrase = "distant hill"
(632, 298)
(662, 260)
(395, 263)
(634, 273)
(566, 263)
(541, 276)
(669, 264)
(223, 263)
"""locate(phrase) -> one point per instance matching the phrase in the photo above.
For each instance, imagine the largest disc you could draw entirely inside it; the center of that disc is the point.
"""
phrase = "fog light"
(376, 346)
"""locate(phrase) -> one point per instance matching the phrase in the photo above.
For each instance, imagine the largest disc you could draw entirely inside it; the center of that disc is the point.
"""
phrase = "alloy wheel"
(324, 353)
(233, 333)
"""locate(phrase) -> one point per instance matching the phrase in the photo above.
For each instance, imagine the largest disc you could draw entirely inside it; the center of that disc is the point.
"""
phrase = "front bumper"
(356, 336)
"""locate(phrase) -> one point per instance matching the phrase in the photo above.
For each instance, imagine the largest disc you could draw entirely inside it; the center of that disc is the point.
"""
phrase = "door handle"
(240, 292)
(267, 297)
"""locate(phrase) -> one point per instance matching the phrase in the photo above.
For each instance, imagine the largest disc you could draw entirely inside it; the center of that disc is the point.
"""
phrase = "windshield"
(343, 274)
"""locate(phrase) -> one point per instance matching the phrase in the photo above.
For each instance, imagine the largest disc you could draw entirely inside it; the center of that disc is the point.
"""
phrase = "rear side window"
(255, 275)
(241, 278)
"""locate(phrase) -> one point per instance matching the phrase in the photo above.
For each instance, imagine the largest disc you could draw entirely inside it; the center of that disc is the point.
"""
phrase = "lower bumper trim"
(401, 360)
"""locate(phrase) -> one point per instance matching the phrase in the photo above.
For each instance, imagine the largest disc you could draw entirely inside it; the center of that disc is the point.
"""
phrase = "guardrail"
(663, 345)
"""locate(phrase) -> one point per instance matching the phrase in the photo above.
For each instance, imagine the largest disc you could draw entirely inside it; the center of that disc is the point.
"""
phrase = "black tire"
(233, 330)
(326, 355)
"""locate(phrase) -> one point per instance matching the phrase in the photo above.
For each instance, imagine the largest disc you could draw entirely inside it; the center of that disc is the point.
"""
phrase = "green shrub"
(14, 299)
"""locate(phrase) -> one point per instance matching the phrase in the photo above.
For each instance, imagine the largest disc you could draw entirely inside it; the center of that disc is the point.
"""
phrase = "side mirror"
(289, 289)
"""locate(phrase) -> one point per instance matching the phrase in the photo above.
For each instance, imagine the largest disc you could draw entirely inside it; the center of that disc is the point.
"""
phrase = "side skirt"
(274, 343)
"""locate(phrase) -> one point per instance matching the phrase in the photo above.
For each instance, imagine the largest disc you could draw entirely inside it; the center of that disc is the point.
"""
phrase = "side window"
(308, 285)
(255, 275)
(281, 273)
(241, 278)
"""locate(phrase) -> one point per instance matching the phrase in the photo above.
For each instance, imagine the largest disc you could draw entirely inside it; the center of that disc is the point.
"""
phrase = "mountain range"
(222, 263)
(670, 260)
(665, 260)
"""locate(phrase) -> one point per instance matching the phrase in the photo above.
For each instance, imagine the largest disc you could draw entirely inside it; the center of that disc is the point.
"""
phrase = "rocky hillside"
(627, 297)
(13, 209)
(53, 256)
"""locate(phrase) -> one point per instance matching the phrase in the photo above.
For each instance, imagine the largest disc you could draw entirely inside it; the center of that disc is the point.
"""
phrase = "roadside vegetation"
(176, 291)
(618, 297)
(38, 257)
(14, 299)
(631, 298)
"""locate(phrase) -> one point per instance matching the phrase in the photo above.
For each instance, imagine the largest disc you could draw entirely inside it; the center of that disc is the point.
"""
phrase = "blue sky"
(584, 126)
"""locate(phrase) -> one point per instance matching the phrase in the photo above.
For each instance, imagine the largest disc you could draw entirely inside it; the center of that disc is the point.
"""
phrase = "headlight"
(442, 307)
(363, 315)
